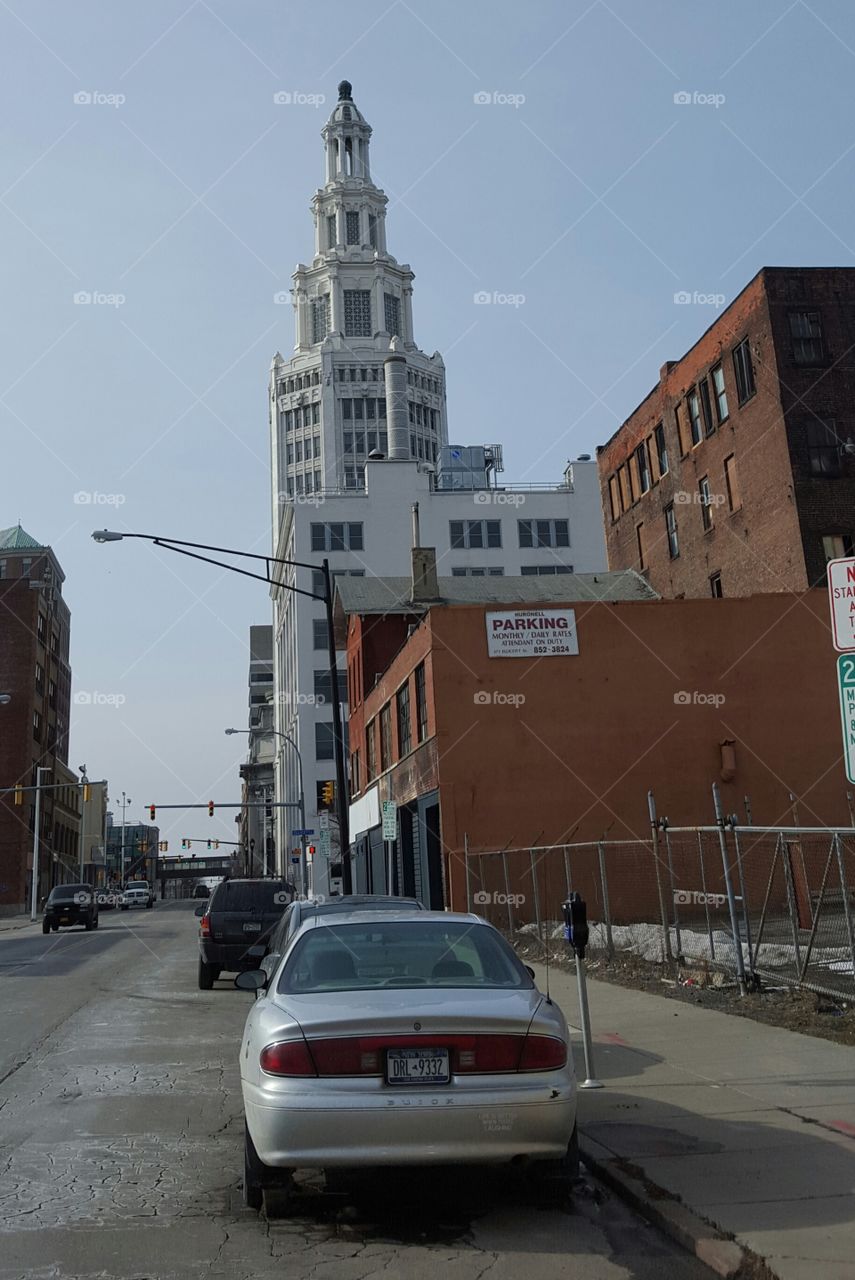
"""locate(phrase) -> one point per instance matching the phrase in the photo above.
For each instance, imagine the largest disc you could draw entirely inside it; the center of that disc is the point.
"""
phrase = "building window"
(320, 317)
(544, 570)
(682, 438)
(836, 546)
(720, 394)
(324, 741)
(476, 571)
(715, 586)
(352, 227)
(823, 448)
(731, 484)
(320, 634)
(372, 230)
(405, 732)
(370, 750)
(2, 568)
(354, 774)
(392, 312)
(421, 703)
(696, 426)
(544, 533)
(705, 496)
(639, 539)
(623, 484)
(643, 467)
(37, 726)
(614, 497)
(41, 628)
(661, 449)
(337, 536)
(323, 688)
(318, 578)
(386, 737)
(475, 533)
(332, 234)
(357, 313)
(671, 531)
(744, 372)
(706, 406)
(806, 333)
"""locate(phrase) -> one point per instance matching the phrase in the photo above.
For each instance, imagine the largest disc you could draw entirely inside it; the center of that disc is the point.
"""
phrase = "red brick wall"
(758, 548)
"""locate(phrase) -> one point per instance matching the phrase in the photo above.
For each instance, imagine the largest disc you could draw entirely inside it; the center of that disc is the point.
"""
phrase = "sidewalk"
(751, 1127)
(16, 922)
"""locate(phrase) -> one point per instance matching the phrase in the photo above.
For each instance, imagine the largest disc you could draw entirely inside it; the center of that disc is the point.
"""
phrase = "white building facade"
(357, 384)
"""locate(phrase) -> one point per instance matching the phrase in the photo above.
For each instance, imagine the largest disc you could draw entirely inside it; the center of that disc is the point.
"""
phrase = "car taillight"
(469, 1054)
(288, 1058)
(205, 926)
(542, 1053)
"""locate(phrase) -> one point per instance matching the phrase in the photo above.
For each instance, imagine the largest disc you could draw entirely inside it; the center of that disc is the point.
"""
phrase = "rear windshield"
(246, 895)
(436, 953)
(68, 892)
(138, 884)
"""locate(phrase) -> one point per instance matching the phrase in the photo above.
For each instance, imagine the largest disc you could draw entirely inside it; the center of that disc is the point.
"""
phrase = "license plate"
(65, 919)
(252, 928)
(417, 1066)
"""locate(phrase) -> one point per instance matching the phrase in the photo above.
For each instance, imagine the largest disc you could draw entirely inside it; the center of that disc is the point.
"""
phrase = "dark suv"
(237, 920)
(300, 911)
(69, 904)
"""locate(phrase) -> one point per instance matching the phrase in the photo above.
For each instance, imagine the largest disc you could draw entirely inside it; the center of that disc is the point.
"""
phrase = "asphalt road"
(121, 1134)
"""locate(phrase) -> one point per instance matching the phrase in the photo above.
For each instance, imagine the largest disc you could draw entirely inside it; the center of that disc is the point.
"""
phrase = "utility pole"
(125, 802)
(34, 897)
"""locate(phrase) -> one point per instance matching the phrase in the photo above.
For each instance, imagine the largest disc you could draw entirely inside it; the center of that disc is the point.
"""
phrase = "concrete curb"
(723, 1255)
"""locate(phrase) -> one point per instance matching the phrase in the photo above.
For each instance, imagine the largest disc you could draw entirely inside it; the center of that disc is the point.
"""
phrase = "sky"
(608, 174)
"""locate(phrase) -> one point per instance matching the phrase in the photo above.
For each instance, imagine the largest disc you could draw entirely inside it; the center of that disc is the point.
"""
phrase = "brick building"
(736, 475)
(35, 684)
(489, 752)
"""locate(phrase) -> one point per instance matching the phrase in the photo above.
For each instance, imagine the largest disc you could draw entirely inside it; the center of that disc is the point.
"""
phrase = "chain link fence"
(775, 904)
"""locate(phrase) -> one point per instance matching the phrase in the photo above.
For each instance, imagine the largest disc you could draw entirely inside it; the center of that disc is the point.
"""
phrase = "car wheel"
(208, 974)
(264, 1185)
(123, 908)
(95, 923)
(253, 1192)
(88, 926)
(149, 905)
(554, 1179)
(45, 927)
(55, 928)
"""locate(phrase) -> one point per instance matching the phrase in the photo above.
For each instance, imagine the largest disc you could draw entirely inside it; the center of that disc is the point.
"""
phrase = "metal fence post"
(468, 874)
(567, 868)
(728, 884)
(536, 894)
(604, 884)
(677, 933)
(845, 891)
(508, 891)
(654, 829)
(745, 915)
(706, 895)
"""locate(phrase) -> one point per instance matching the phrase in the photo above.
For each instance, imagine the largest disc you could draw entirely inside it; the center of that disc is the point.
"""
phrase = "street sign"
(531, 633)
(841, 598)
(390, 819)
(303, 831)
(846, 684)
(295, 860)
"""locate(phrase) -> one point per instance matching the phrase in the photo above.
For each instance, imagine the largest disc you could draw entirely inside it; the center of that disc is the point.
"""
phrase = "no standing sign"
(841, 596)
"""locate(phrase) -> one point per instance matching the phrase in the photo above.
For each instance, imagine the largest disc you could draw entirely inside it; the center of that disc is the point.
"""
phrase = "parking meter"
(576, 923)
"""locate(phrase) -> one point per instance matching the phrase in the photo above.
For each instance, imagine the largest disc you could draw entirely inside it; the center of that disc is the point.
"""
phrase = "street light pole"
(192, 549)
(259, 732)
(34, 894)
(125, 802)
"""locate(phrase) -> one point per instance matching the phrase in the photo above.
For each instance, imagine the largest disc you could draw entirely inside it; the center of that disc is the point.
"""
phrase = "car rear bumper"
(229, 956)
(421, 1127)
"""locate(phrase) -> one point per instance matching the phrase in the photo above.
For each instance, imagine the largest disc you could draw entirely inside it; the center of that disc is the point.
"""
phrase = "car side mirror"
(200, 911)
(531, 973)
(251, 980)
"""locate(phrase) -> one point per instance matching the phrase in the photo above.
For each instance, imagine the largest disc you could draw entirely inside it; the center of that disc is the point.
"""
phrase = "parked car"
(238, 917)
(201, 891)
(304, 909)
(137, 893)
(403, 1038)
(107, 898)
(70, 904)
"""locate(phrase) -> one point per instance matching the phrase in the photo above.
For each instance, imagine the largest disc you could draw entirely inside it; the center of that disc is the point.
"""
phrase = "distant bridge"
(212, 864)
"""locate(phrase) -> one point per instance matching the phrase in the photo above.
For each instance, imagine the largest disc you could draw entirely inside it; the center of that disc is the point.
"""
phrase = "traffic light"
(328, 793)
(183, 844)
(209, 844)
(310, 851)
(19, 795)
(210, 808)
(87, 793)
(151, 811)
(163, 846)
(216, 844)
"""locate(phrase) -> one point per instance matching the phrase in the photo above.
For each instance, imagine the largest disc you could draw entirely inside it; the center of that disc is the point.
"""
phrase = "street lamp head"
(230, 731)
(106, 535)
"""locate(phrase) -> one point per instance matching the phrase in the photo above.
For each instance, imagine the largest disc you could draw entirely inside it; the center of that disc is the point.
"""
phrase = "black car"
(301, 910)
(201, 891)
(69, 904)
(235, 924)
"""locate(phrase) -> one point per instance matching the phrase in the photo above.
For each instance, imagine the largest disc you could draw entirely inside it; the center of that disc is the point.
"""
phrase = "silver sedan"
(403, 1038)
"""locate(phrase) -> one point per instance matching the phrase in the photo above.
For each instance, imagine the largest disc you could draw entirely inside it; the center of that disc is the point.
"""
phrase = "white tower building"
(329, 406)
